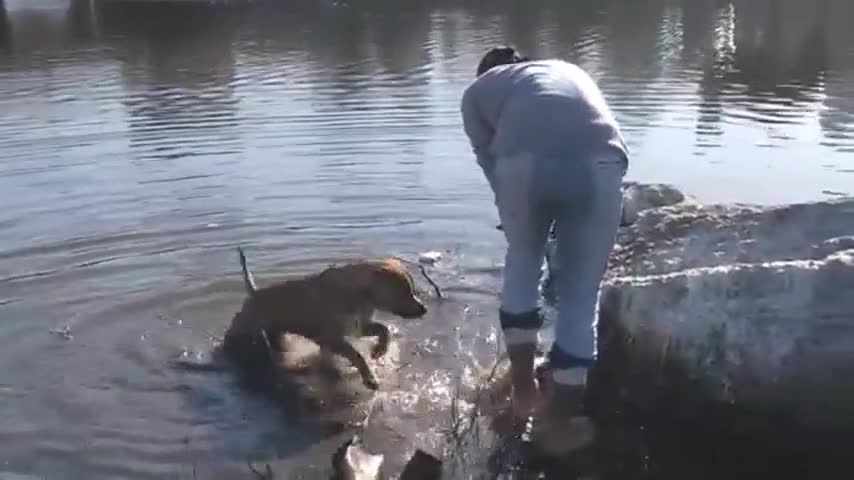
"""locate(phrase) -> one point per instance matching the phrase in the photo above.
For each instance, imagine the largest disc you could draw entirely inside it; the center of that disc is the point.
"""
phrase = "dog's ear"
(395, 277)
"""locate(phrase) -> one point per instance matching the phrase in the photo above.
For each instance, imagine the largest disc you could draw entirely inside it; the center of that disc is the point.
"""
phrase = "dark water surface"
(139, 143)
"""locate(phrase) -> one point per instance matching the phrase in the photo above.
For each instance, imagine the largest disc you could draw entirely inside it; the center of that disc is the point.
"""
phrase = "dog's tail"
(248, 280)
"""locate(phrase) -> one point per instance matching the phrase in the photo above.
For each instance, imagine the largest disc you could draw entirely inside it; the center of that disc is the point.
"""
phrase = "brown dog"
(329, 307)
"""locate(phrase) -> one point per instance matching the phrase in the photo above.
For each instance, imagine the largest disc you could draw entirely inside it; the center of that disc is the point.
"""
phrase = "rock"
(422, 466)
(352, 462)
(690, 235)
(638, 198)
(747, 307)
(654, 195)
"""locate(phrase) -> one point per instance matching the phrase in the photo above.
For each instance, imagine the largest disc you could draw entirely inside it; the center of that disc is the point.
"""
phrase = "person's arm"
(479, 133)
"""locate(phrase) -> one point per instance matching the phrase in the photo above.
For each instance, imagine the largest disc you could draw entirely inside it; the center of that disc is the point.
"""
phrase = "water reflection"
(632, 63)
(780, 48)
(313, 82)
(5, 30)
(81, 20)
(379, 80)
(402, 42)
(515, 25)
(837, 118)
(177, 68)
(697, 28)
(700, 25)
(767, 63)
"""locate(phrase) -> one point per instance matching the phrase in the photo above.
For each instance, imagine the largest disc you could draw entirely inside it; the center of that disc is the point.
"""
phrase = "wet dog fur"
(328, 308)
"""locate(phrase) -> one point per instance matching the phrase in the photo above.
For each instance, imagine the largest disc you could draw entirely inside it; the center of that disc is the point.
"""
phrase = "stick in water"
(435, 287)
(424, 273)
(266, 475)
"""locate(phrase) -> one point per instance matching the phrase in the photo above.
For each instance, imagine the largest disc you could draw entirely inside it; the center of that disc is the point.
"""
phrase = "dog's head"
(390, 288)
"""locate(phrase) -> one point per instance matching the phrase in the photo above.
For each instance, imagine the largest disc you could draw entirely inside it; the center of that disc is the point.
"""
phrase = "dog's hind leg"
(347, 350)
(379, 330)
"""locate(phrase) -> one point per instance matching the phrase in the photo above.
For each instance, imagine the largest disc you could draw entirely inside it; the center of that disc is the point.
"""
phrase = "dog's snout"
(418, 310)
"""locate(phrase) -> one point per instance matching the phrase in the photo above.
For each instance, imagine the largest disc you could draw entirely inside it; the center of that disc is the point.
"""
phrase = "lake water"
(141, 142)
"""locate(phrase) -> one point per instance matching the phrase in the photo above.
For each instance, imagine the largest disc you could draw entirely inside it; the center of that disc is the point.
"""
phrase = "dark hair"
(498, 56)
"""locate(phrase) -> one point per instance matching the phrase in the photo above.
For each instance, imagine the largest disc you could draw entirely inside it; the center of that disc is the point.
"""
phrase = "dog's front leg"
(347, 350)
(379, 330)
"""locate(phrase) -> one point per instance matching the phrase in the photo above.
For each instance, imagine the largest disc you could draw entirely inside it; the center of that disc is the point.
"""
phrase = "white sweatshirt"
(545, 107)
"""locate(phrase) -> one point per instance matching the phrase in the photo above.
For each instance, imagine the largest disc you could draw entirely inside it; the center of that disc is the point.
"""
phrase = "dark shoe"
(560, 437)
(562, 427)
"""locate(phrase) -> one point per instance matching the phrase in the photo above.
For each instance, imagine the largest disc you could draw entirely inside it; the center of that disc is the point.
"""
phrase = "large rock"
(746, 307)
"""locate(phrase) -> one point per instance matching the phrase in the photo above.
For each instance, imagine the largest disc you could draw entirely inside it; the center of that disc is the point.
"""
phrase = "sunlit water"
(140, 144)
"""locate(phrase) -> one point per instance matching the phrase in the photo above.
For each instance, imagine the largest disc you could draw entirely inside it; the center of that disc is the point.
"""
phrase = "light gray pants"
(582, 197)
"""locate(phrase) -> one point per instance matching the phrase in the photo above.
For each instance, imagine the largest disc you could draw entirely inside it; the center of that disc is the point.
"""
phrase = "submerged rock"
(747, 307)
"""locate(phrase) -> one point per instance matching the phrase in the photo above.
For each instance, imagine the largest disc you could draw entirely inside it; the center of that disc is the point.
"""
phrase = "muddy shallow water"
(139, 144)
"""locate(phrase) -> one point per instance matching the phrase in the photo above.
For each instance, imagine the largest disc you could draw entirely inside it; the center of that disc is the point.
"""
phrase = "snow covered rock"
(751, 306)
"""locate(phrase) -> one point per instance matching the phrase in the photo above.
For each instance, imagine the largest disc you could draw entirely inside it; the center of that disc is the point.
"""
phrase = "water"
(140, 143)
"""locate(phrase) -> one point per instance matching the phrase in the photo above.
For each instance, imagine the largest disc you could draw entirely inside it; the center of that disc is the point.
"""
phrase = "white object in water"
(356, 463)
(429, 258)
